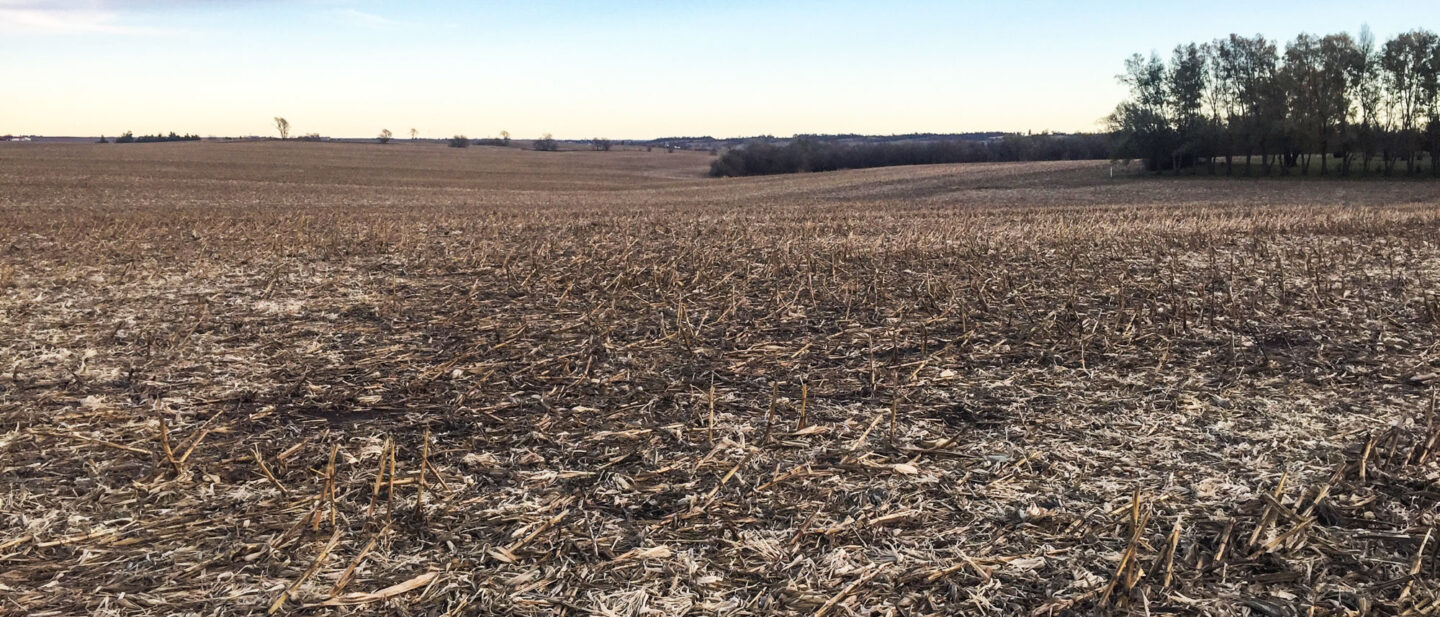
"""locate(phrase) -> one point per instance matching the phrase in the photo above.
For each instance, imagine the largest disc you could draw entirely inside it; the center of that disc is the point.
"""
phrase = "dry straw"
(562, 386)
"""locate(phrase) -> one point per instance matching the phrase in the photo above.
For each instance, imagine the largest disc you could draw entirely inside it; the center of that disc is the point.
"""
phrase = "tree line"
(130, 138)
(804, 154)
(1332, 104)
(545, 144)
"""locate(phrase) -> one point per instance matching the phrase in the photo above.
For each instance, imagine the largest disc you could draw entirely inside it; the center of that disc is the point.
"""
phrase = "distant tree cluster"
(1341, 97)
(804, 154)
(129, 138)
(459, 141)
(546, 143)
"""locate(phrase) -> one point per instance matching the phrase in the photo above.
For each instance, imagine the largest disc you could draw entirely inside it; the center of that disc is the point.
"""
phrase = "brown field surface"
(362, 379)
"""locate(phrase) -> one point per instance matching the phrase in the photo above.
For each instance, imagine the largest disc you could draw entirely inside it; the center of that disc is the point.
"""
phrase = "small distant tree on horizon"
(283, 126)
(546, 143)
(384, 136)
(505, 137)
(459, 141)
(600, 144)
(414, 134)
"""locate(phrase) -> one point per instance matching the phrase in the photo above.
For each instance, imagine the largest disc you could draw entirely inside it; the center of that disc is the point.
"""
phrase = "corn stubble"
(245, 378)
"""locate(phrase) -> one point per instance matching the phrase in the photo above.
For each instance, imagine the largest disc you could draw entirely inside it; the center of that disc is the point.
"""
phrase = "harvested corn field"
(358, 379)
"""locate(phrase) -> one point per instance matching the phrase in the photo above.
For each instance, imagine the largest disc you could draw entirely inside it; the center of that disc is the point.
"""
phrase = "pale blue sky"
(630, 69)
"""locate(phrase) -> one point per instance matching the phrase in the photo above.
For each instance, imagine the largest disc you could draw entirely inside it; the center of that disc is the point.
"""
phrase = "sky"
(618, 69)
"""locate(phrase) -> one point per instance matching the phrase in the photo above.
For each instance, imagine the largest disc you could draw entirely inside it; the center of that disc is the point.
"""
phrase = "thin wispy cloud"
(114, 5)
(41, 21)
(370, 20)
(70, 17)
(93, 16)
(122, 16)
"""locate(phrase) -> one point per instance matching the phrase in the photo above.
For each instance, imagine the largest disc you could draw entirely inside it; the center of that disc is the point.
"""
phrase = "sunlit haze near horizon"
(625, 70)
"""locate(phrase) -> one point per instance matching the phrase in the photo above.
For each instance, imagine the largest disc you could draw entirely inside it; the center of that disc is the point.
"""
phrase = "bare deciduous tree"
(1337, 96)
(384, 136)
(283, 126)
(1406, 60)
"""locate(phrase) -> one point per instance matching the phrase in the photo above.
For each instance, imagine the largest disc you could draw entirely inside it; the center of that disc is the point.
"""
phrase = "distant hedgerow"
(129, 138)
(546, 143)
(803, 154)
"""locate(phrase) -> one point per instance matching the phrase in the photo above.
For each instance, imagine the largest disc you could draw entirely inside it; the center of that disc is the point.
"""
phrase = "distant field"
(1026, 389)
